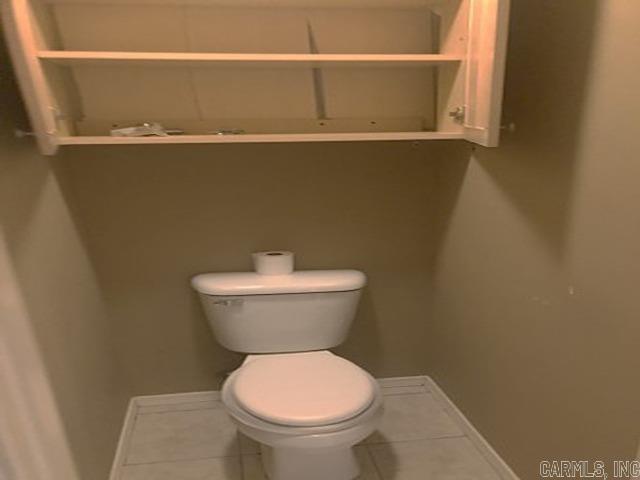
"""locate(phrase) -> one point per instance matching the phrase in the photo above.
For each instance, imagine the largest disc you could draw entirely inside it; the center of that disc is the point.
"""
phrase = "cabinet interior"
(300, 66)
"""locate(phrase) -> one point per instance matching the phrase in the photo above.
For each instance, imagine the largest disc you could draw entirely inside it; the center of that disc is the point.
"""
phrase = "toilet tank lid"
(251, 283)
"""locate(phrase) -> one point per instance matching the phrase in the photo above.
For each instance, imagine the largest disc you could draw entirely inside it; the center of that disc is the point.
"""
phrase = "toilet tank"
(302, 311)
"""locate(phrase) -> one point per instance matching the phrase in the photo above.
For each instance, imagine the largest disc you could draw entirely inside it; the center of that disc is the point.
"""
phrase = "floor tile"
(179, 407)
(400, 390)
(211, 469)
(195, 434)
(252, 466)
(395, 386)
(248, 446)
(369, 471)
(175, 399)
(436, 459)
(196, 440)
(413, 417)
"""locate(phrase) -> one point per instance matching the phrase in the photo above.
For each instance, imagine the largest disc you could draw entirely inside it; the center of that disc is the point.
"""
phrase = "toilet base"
(315, 464)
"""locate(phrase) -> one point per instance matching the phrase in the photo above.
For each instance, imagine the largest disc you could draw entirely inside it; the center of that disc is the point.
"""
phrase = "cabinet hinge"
(458, 115)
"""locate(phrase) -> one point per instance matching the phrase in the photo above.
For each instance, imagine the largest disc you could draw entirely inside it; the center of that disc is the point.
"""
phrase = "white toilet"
(306, 406)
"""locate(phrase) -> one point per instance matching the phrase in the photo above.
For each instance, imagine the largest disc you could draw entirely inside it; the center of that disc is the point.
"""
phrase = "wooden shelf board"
(261, 138)
(71, 58)
(391, 4)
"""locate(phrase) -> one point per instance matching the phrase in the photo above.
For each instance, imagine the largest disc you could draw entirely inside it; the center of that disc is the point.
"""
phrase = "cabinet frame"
(469, 79)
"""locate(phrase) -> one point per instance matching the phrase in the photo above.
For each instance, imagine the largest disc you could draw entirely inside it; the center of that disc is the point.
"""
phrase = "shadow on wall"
(16, 202)
(506, 339)
(58, 283)
(546, 84)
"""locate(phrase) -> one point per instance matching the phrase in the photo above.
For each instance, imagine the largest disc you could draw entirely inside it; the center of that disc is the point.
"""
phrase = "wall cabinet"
(213, 71)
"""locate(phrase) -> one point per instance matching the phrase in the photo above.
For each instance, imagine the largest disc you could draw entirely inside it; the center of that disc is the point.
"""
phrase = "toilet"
(304, 405)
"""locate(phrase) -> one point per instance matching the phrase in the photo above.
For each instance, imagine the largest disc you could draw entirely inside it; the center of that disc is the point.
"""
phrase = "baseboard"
(125, 433)
(169, 398)
(151, 401)
(484, 447)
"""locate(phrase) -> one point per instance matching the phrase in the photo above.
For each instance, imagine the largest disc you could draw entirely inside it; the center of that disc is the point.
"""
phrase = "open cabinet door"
(487, 49)
(24, 39)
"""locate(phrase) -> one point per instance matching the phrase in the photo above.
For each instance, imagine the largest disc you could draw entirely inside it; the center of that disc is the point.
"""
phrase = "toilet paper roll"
(273, 262)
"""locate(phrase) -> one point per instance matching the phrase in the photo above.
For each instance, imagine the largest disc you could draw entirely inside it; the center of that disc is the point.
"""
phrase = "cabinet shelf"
(261, 138)
(294, 4)
(270, 60)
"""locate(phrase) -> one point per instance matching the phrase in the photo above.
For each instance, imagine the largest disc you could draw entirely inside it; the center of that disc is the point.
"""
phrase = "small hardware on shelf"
(146, 129)
(174, 131)
(228, 131)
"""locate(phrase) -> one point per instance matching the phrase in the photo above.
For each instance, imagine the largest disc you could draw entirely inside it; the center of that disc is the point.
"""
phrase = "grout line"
(373, 461)
(178, 398)
(181, 410)
(404, 394)
(127, 444)
(385, 383)
(191, 402)
(180, 460)
(422, 439)
(241, 463)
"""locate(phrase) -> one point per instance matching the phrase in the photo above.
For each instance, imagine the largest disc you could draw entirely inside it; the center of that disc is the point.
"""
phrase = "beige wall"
(536, 324)
(61, 292)
(154, 217)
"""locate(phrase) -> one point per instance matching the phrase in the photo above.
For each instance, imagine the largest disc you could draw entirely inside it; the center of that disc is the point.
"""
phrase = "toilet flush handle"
(235, 302)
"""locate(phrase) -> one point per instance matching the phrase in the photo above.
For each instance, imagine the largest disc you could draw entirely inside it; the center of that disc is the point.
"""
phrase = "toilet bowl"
(307, 410)
(305, 406)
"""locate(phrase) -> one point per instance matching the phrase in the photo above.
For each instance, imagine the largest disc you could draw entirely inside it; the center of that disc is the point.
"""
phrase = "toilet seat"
(302, 389)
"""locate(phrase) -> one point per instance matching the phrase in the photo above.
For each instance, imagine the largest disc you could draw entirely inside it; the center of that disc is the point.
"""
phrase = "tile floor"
(195, 440)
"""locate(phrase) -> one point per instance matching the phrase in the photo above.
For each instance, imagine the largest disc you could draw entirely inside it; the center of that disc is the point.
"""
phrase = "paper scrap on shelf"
(147, 129)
